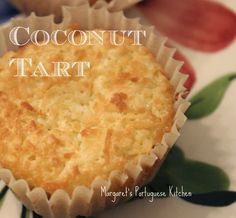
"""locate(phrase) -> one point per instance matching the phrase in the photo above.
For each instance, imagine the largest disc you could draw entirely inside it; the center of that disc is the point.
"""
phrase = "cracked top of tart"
(61, 132)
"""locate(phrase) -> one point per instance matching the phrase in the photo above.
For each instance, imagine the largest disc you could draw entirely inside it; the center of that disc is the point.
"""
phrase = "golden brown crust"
(58, 133)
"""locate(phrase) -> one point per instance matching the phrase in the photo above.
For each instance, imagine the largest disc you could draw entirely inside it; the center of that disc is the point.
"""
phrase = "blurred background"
(6, 10)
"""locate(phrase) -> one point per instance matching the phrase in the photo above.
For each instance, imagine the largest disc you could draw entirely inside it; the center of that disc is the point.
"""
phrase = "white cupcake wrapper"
(89, 201)
(47, 7)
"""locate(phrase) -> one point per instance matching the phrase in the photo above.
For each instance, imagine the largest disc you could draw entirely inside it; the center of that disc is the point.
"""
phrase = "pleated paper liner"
(47, 7)
(87, 201)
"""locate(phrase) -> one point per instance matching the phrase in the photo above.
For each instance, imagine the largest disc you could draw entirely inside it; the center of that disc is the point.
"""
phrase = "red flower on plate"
(186, 69)
(198, 24)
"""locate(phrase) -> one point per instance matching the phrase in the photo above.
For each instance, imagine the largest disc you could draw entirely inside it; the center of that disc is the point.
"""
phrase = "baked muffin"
(63, 132)
(77, 136)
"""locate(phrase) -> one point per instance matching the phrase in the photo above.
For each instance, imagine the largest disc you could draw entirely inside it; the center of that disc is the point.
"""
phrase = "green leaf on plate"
(3, 194)
(213, 199)
(194, 176)
(208, 99)
(36, 215)
(25, 213)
